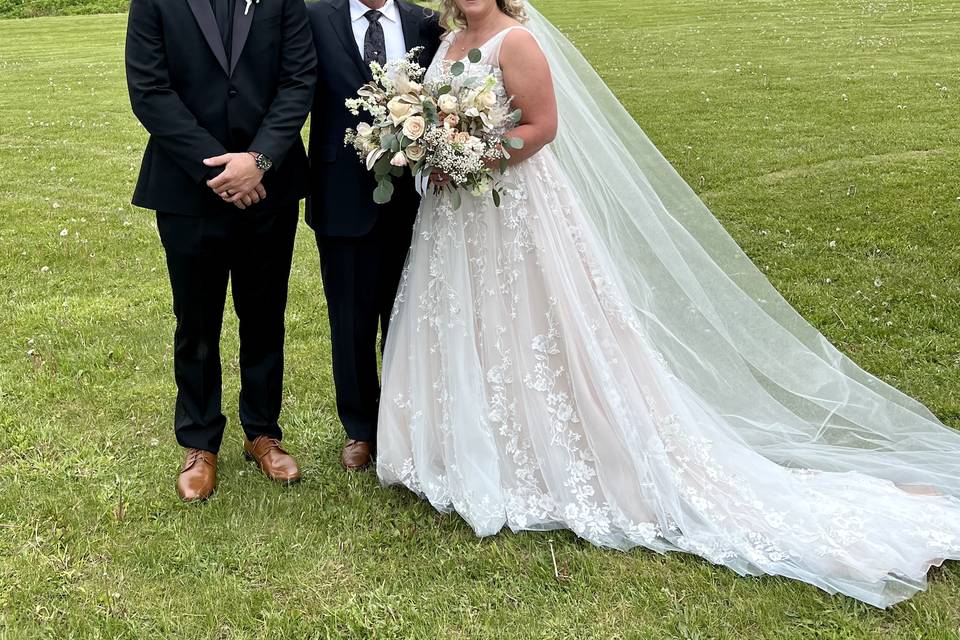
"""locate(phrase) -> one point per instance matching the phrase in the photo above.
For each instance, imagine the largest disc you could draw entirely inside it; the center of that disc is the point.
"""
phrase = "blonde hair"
(452, 19)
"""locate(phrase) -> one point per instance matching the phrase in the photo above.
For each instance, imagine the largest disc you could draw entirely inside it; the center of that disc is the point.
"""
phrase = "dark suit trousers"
(360, 280)
(253, 252)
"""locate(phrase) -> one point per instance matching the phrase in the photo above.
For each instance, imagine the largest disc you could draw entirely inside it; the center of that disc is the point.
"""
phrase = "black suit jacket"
(195, 103)
(341, 189)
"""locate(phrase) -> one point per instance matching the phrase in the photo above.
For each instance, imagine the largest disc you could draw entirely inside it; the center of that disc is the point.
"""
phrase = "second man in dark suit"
(362, 245)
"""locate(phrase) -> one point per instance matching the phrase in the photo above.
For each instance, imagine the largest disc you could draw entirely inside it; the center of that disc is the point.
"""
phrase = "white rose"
(492, 119)
(415, 152)
(451, 121)
(414, 127)
(364, 130)
(447, 103)
(399, 110)
(486, 99)
(399, 160)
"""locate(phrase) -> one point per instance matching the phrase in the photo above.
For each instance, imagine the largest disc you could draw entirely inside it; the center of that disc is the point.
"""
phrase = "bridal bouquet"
(452, 126)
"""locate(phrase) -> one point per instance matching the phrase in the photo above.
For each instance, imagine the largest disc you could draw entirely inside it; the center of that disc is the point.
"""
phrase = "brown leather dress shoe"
(357, 455)
(198, 477)
(276, 464)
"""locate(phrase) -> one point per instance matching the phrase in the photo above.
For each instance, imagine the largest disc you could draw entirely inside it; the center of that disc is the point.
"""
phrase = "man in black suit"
(362, 245)
(223, 87)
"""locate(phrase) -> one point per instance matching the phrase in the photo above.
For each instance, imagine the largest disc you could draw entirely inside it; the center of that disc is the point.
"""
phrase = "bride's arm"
(526, 76)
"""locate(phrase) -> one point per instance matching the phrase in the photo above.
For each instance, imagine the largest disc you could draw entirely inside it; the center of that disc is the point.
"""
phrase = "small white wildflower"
(878, 283)
(64, 233)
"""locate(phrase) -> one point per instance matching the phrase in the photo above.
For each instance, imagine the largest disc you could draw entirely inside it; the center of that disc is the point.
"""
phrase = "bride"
(598, 355)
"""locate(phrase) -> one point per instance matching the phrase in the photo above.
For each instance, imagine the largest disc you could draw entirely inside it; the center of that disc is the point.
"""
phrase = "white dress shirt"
(392, 27)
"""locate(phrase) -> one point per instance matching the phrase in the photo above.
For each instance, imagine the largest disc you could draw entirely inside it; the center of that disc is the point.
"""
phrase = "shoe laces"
(195, 456)
(271, 444)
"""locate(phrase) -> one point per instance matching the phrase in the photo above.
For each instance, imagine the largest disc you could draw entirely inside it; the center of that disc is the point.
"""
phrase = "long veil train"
(720, 324)
(599, 355)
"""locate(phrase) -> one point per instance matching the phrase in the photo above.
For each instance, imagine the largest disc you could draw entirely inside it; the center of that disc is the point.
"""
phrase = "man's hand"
(240, 177)
(252, 198)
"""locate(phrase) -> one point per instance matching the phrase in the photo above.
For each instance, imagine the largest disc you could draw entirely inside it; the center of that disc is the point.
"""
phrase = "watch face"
(264, 163)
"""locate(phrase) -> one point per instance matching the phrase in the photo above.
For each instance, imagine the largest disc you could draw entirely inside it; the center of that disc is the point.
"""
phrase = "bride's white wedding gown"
(525, 387)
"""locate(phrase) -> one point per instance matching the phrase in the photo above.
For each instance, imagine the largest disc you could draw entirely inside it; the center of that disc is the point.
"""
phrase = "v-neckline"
(447, 60)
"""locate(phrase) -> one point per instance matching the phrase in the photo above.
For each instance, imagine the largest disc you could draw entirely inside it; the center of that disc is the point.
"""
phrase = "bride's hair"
(451, 18)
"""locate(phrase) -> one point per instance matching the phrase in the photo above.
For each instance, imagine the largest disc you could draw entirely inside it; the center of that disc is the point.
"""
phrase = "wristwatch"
(263, 162)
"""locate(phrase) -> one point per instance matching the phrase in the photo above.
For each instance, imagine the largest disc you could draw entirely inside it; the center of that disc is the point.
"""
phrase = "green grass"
(35, 8)
(823, 134)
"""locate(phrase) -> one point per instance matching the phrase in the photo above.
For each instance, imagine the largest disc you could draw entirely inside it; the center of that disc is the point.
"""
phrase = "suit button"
(232, 93)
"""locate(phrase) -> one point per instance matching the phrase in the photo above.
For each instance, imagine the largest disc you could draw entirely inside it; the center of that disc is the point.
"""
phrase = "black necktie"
(222, 10)
(374, 44)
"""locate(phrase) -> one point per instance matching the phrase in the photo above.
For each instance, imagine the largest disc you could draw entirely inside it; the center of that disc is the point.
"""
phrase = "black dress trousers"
(360, 280)
(253, 252)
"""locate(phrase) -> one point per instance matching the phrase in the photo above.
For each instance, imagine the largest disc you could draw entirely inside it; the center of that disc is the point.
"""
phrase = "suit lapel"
(340, 19)
(242, 19)
(203, 13)
(411, 25)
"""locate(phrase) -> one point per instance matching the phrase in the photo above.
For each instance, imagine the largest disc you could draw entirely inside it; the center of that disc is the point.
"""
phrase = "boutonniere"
(250, 3)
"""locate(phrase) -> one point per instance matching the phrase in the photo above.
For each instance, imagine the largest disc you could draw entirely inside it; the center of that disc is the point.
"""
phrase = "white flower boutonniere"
(250, 3)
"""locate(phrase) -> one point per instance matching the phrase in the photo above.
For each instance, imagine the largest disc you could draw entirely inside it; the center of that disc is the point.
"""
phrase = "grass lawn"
(823, 133)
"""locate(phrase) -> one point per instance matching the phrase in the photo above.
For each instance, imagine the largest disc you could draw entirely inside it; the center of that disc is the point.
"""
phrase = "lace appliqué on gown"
(521, 391)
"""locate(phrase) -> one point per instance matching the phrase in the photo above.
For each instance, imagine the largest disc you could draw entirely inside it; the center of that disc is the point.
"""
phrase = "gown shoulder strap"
(492, 52)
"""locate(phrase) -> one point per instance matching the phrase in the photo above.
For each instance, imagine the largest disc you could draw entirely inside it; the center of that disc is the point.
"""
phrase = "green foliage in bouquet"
(454, 126)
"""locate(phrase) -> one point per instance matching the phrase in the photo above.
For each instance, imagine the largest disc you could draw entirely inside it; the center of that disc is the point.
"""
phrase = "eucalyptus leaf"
(382, 167)
(496, 198)
(396, 172)
(444, 90)
(475, 56)
(455, 198)
(384, 191)
(430, 112)
(457, 69)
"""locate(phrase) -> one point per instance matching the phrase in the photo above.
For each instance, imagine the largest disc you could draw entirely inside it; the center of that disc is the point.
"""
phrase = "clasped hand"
(240, 182)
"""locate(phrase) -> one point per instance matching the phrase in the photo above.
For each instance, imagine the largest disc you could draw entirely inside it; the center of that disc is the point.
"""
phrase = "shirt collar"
(358, 10)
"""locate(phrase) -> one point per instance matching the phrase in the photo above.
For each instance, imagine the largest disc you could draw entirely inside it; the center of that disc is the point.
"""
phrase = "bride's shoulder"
(519, 43)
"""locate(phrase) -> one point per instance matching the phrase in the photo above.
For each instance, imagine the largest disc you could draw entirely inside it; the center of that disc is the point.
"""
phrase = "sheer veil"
(722, 327)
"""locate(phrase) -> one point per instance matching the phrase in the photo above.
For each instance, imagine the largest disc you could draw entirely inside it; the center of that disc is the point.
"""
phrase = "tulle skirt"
(522, 390)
